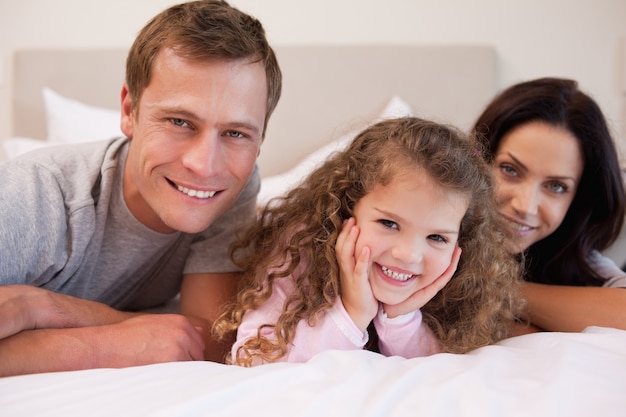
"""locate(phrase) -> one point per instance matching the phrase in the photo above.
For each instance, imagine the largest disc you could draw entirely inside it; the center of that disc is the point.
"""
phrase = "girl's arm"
(333, 330)
(405, 335)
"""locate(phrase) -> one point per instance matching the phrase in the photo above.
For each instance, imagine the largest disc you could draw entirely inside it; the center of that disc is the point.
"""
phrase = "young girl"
(559, 187)
(374, 236)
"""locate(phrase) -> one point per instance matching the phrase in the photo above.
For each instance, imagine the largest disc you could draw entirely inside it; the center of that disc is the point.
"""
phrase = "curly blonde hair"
(296, 234)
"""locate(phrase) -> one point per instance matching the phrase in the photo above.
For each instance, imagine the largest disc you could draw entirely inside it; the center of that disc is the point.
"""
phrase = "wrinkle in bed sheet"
(547, 374)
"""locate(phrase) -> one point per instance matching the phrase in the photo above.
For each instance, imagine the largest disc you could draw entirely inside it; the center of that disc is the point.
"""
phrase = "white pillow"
(278, 185)
(16, 146)
(71, 121)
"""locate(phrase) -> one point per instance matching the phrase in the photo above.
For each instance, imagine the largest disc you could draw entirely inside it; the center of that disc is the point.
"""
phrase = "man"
(101, 231)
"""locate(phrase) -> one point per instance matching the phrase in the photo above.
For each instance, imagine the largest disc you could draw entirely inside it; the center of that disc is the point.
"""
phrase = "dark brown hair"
(596, 215)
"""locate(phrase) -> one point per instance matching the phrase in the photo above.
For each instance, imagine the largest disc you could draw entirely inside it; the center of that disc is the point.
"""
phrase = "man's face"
(195, 138)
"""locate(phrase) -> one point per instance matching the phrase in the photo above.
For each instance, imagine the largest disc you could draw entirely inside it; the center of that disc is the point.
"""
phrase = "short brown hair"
(202, 30)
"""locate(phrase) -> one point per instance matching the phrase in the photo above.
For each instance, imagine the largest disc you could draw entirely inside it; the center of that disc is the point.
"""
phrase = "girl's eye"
(388, 223)
(557, 187)
(438, 238)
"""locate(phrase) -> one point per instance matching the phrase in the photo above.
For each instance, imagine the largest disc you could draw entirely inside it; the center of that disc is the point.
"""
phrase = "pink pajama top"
(405, 336)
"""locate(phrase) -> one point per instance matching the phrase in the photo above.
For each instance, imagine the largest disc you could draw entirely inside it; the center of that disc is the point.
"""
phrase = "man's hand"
(356, 291)
(418, 299)
(149, 338)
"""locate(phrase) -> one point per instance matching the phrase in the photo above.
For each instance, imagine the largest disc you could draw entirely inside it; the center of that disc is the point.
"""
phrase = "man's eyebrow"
(178, 110)
(245, 125)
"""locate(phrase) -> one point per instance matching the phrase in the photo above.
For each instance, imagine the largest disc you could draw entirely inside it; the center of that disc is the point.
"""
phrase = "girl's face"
(411, 227)
(537, 168)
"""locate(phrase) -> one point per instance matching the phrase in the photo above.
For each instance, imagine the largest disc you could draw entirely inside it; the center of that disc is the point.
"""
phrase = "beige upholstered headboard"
(327, 91)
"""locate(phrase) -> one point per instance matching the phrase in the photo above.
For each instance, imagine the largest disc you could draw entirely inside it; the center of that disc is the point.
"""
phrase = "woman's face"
(537, 169)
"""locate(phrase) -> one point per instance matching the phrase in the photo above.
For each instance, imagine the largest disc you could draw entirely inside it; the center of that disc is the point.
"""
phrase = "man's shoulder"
(70, 159)
(74, 171)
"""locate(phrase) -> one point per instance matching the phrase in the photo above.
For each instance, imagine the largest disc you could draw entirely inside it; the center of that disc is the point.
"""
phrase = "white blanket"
(547, 374)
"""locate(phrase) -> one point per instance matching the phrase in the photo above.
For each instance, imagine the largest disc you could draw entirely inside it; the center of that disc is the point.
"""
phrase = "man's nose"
(204, 156)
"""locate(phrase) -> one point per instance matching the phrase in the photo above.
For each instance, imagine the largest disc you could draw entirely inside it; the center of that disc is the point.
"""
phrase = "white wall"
(579, 39)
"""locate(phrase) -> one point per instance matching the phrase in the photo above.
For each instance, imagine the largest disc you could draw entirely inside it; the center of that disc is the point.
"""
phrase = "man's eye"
(178, 122)
(234, 134)
(388, 223)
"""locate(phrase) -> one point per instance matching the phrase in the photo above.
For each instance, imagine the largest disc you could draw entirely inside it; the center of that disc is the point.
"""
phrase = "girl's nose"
(409, 251)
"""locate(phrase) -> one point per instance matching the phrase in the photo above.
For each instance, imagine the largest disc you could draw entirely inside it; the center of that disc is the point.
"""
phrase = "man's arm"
(43, 332)
(202, 297)
(141, 340)
(25, 307)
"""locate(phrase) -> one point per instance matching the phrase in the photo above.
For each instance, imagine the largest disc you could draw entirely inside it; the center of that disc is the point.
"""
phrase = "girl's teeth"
(195, 193)
(395, 275)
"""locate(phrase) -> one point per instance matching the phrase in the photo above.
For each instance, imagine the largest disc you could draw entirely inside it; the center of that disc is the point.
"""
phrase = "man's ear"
(127, 117)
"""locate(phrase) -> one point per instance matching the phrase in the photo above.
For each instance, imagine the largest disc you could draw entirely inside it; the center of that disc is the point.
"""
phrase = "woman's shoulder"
(607, 269)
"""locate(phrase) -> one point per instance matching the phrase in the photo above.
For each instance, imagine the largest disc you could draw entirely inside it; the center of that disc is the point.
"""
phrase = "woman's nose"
(526, 199)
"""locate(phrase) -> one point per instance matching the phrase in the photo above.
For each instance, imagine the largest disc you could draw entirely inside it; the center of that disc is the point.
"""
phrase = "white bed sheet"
(548, 374)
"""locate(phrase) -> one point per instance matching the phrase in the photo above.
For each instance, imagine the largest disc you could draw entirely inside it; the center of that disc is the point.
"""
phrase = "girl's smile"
(396, 276)
(411, 227)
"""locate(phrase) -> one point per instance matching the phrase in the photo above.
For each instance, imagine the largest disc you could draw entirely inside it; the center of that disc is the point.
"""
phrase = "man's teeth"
(195, 193)
(395, 275)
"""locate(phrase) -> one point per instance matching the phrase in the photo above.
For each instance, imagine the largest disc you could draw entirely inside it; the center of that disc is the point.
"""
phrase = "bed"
(330, 92)
(552, 374)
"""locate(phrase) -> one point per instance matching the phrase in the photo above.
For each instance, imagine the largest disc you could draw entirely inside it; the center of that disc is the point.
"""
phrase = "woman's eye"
(557, 187)
(389, 224)
(508, 170)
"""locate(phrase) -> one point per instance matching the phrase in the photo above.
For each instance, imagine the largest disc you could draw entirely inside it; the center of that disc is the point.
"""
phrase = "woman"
(560, 192)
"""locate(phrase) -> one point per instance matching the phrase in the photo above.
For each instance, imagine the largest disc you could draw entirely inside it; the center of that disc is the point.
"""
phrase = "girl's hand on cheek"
(356, 292)
(419, 298)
